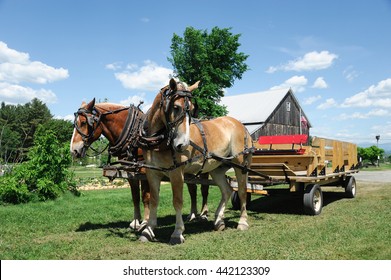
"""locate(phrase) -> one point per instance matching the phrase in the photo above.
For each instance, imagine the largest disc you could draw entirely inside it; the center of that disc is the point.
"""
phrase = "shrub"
(13, 192)
(45, 175)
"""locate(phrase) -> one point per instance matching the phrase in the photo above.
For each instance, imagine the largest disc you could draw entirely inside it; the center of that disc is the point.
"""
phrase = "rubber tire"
(350, 187)
(313, 200)
(235, 200)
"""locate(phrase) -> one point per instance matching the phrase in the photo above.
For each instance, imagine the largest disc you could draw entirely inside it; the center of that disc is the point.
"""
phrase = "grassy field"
(94, 226)
(383, 166)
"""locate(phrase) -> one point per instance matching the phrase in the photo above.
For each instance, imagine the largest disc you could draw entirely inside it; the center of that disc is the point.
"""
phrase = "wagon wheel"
(235, 200)
(350, 187)
(313, 200)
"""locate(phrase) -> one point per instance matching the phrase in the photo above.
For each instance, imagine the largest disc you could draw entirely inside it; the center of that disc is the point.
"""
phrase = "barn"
(268, 113)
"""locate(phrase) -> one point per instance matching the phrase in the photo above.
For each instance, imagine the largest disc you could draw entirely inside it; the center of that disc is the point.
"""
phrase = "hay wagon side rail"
(305, 169)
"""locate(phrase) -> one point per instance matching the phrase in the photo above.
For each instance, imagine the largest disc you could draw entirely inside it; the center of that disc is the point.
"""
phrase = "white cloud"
(328, 104)
(114, 66)
(376, 95)
(66, 118)
(16, 94)
(12, 56)
(353, 116)
(32, 72)
(135, 100)
(311, 99)
(383, 130)
(148, 77)
(310, 61)
(358, 115)
(297, 83)
(350, 74)
(16, 68)
(320, 83)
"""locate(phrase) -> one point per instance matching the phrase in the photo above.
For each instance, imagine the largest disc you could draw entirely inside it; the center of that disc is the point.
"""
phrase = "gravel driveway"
(374, 176)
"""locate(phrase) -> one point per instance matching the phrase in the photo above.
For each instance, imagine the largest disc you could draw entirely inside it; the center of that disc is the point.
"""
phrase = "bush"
(13, 192)
(44, 176)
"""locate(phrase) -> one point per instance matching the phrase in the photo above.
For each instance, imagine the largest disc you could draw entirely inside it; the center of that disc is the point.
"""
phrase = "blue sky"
(334, 54)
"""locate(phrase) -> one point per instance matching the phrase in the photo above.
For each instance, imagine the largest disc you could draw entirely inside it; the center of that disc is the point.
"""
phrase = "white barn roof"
(254, 107)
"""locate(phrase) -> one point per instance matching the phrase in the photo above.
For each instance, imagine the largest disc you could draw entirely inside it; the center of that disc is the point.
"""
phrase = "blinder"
(92, 119)
(170, 96)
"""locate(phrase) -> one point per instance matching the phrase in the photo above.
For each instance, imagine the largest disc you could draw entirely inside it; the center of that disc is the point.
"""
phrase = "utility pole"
(377, 144)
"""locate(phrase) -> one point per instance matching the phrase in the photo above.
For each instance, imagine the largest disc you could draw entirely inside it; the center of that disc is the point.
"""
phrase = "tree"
(212, 58)
(371, 153)
(17, 127)
(61, 128)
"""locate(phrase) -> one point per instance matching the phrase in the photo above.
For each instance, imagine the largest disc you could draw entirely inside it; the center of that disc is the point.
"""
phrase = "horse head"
(86, 128)
(178, 108)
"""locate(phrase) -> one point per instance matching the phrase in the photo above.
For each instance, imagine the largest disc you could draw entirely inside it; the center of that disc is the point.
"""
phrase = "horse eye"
(177, 109)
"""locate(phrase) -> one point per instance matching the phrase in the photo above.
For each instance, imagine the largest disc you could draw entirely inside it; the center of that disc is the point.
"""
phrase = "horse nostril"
(179, 147)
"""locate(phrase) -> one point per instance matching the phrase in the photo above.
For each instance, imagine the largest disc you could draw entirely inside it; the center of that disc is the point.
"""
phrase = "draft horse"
(189, 146)
(120, 125)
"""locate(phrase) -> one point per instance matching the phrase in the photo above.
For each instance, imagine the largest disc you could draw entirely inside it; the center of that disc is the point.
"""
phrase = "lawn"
(94, 226)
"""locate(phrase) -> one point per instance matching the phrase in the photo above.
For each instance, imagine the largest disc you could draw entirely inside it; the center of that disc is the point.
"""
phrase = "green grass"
(93, 176)
(94, 226)
(382, 167)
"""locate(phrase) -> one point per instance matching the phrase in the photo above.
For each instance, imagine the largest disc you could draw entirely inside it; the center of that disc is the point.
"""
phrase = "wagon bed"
(305, 169)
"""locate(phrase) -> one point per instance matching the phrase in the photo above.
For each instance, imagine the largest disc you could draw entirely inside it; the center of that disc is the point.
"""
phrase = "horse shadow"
(166, 226)
(282, 201)
(278, 202)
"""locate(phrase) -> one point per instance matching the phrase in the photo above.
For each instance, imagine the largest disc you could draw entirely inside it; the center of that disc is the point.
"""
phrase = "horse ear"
(91, 104)
(173, 84)
(194, 86)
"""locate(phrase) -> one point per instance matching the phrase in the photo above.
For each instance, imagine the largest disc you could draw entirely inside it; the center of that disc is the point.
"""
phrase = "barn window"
(288, 106)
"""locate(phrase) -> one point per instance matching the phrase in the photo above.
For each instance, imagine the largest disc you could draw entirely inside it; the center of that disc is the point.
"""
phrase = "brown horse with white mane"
(119, 125)
(192, 148)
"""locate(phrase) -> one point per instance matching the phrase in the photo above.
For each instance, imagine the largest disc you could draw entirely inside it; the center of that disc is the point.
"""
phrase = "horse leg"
(145, 194)
(242, 192)
(135, 189)
(204, 192)
(154, 180)
(218, 176)
(192, 188)
(176, 179)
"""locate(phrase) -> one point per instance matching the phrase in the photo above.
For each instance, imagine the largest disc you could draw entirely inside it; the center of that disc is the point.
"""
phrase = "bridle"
(168, 98)
(94, 119)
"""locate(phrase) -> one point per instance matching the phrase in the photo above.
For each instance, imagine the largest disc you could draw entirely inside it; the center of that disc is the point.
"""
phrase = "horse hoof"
(176, 240)
(220, 226)
(134, 225)
(147, 235)
(203, 218)
(243, 226)
(143, 239)
(191, 218)
(142, 226)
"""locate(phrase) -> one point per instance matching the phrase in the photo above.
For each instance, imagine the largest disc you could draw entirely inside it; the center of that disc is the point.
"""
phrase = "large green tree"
(212, 58)
(371, 154)
(18, 124)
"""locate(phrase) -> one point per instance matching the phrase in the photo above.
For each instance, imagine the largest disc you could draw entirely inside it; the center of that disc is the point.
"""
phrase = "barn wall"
(284, 120)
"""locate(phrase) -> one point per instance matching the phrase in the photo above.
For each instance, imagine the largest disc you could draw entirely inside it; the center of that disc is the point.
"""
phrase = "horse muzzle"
(79, 152)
